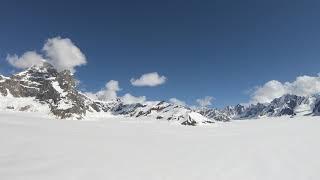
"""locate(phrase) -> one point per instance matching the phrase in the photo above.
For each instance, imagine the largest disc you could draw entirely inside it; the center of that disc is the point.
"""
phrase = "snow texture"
(34, 147)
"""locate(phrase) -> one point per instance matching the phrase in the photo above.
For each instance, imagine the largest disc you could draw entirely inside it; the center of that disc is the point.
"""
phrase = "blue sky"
(204, 48)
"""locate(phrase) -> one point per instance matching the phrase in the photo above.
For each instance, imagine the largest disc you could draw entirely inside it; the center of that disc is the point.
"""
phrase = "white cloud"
(177, 102)
(109, 92)
(130, 99)
(60, 52)
(63, 54)
(91, 95)
(149, 79)
(302, 86)
(28, 59)
(269, 91)
(206, 101)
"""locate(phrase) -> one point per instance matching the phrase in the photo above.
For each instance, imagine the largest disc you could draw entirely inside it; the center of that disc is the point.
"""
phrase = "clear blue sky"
(213, 48)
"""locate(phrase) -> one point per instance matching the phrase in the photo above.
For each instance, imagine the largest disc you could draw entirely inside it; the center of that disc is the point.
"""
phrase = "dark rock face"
(161, 110)
(253, 111)
(316, 109)
(128, 109)
(189, 122)
(214, 114)
(193, 120)
(286, 104)
(232, 111)
(25, 108)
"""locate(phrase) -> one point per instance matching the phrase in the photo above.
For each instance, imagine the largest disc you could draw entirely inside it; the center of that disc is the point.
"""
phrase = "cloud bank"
(28, 59)
(130, 99)
(206, 101)
(149, 79)
(110, 92)
(62, 53)
(302, 86)
(177, 102)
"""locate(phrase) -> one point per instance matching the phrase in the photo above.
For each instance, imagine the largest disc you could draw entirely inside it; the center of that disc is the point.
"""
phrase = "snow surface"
(57, 87)
(10, 103)
(36, 148)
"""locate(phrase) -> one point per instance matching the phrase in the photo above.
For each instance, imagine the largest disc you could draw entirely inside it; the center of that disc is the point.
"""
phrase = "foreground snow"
(33, 147)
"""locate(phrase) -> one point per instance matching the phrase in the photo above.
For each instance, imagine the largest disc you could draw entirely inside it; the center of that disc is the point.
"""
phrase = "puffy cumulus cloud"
(60, 52)
(28, 59)
(63, 54)
(204, 102)
(130, 99)
(149, 79)
(109, 92)
(268, 92)
(177, 102)
(302, 86)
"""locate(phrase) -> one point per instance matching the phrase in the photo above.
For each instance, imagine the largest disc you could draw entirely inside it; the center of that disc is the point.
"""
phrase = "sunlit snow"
(34, 147)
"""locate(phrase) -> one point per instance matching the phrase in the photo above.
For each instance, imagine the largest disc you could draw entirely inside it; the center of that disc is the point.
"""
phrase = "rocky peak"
(215, 114)
(47, 85)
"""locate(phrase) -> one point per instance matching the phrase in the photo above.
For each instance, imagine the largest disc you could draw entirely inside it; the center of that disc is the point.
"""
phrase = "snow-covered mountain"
(43, 88)
(215, 114)
(289, 105)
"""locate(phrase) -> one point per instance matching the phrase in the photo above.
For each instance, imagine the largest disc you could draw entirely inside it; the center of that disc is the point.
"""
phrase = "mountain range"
(43, 88)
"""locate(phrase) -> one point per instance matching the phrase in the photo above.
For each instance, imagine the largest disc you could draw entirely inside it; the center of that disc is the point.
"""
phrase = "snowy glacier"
(35, 147)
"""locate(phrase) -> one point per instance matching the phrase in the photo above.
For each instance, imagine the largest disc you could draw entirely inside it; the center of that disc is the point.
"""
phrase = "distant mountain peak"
(58, 91)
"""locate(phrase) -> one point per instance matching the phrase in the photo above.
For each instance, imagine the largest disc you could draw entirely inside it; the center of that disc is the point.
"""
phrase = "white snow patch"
(197, 117)
(57, 87)
(10, 103)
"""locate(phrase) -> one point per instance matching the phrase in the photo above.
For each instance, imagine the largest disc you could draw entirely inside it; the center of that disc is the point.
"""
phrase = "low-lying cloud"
(177, 102)
(130, 99)
(302, 86)
(110, 92)
(26, 60)
(206, 101)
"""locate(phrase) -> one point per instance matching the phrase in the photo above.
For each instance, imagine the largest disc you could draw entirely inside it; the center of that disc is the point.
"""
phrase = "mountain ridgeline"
(44, 86)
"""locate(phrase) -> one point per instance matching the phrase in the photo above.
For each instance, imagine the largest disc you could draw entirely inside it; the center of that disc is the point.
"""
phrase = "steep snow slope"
(35, 148)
